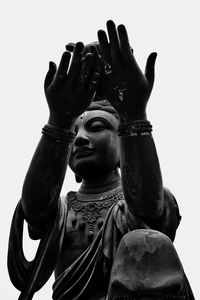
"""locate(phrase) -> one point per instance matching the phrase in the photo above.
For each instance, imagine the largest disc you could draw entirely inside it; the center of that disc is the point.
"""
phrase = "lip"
(82, 151)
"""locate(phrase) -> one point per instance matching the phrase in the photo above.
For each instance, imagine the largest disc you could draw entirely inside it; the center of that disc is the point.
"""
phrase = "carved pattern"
(91, 210)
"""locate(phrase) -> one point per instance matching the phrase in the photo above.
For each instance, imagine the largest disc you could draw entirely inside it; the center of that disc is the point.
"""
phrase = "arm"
(69, 91)
(141, 176)
(43, 181)
(128, 90)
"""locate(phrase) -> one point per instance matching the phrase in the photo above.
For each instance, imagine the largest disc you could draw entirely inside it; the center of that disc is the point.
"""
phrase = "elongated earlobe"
(78, 178)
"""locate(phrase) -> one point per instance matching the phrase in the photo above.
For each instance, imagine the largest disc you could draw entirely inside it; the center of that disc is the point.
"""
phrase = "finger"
(104, 45)
(70, 47)
(87, 64)
(95, 52)
(64, 65)
(85, 72)
(114, 44)
(75, 64)
(150, 68)
(96, 59)
(92, 87)
(105, 60)
(87, 89)
(50, 75)
(126, 50)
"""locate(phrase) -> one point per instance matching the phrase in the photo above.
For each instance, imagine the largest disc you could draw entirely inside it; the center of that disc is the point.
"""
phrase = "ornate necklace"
(91, 209)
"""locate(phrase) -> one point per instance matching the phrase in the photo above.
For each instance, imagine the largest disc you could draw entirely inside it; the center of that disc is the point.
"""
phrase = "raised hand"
(70, 88)
(126, 87)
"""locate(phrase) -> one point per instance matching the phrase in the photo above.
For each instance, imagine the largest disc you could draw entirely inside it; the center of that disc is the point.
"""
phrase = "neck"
(102, 184)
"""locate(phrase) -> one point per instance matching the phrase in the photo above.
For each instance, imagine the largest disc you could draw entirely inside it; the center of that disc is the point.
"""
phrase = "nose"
(81, 138)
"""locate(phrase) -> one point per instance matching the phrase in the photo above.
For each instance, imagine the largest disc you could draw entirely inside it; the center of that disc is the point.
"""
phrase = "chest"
(84, 220)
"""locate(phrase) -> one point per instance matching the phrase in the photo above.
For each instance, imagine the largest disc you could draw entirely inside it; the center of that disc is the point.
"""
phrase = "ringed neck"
(105, 183)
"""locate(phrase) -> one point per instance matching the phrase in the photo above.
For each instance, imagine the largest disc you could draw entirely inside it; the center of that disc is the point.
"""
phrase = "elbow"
(38, 206)
(38, 217)
(31, 213)
(35, 213)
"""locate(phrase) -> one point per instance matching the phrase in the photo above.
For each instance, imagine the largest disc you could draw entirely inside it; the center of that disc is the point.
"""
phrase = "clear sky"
(34, 32)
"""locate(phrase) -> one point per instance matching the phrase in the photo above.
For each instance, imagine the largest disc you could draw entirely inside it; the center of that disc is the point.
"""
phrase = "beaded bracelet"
(58, 134)
(135, 128)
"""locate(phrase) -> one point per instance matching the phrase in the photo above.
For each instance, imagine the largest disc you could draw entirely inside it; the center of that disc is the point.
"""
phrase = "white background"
(34, 32)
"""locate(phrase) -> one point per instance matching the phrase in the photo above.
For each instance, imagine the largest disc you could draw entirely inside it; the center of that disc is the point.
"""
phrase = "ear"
(78, 178)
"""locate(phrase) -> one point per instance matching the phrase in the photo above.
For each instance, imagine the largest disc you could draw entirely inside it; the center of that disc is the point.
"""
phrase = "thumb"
(50, 74)
(150, 67)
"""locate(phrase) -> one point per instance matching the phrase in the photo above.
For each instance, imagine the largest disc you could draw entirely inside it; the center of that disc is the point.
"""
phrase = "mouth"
(82, 151)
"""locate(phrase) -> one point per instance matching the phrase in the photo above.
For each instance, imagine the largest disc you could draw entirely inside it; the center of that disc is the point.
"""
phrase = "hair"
(103, 105)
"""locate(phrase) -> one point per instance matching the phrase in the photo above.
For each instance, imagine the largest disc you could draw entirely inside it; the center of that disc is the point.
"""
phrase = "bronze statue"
(113, 238)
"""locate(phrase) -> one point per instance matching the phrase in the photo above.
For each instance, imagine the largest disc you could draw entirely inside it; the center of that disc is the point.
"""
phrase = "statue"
(113, 238)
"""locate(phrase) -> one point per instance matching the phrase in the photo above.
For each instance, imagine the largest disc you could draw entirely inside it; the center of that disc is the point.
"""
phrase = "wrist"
(135, 128)
(59, 135)
(63, 122)
(127, 117)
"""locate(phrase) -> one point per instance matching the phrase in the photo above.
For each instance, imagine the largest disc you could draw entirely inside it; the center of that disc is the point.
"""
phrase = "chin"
(88, 169)
(83, 166)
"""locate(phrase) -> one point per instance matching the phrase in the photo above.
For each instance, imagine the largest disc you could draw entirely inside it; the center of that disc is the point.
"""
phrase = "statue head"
(95, 151)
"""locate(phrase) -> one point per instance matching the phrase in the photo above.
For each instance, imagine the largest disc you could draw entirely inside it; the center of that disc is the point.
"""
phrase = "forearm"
(141, 175)
(44, 179)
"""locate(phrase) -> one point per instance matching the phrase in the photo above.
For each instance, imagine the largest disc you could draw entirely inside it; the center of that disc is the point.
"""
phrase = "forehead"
(89, 115)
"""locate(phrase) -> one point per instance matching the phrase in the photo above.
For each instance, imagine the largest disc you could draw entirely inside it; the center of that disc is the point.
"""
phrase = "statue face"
(95, 151)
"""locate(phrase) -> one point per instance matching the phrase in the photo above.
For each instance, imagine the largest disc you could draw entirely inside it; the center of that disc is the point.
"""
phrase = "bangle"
(135, 128)
(60, 135)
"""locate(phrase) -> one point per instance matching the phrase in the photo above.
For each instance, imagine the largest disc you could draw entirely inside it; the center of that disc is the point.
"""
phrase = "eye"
(97, 126)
